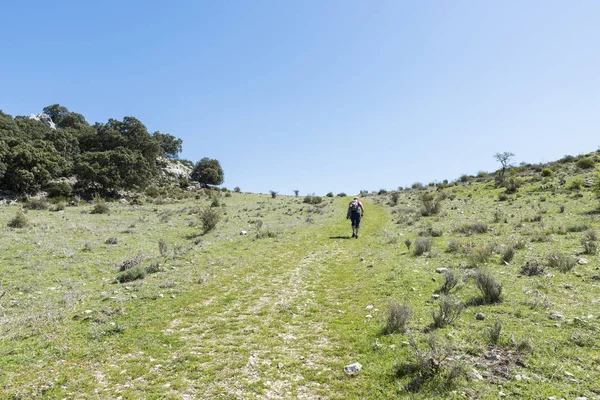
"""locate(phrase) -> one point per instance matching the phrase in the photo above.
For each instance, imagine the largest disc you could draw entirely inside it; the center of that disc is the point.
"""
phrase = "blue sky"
(320, 95)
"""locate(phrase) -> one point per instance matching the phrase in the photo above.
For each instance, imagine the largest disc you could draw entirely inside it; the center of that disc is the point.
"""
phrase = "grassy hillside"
(278, 312)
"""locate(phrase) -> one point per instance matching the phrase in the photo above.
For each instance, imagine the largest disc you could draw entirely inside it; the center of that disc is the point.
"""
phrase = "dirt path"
(268, 329)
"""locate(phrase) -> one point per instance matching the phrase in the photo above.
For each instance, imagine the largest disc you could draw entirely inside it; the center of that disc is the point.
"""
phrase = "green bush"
(131, 274)
(585, 163)
(100, 208)
(430, 204)
(575, 183)
(398, 316)
(489, 287)
(209, 218)
(19, 220)
(547, 172)
(59, 189)
(36, 204)
(330, 194)
(422, 245)
(312, 199)
(449, 310)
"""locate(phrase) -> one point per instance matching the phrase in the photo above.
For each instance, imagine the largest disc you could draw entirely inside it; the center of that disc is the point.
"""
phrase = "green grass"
(278, 316)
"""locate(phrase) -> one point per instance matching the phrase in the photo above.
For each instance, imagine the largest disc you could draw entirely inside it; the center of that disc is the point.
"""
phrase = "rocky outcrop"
(174, 169)
(44, 119)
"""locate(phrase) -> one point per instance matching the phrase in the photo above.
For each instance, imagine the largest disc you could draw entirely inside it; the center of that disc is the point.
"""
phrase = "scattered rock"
(435, 296)
(518, 377)
(582, 261)
(502, 394)
(243, 233)
(279, 365)
(362, 259)
(567, 286)
(441, 270)
(480, 316)
(352, 369)
(556, 315)
(581, 398)
(474, 375)
(369, 307)
(370, 266)
(570, 375)
(368, 316)
(44, 119)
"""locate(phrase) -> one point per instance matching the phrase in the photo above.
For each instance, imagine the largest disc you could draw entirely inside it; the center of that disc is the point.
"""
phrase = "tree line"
(104, 157)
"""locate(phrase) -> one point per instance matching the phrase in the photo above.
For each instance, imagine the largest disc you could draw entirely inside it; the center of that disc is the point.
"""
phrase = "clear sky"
(320, 95)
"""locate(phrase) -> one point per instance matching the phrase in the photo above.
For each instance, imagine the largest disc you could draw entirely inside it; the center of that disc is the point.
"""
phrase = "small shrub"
(494, 332)
(163, 248)
(152, 191)
(560, 261)
(430, 204)
(36, 204)
(577, 227)
(296, 193)
(19, 220)
(502, 196)
(382, 192)
(341, 194)
(474, 228)
(215, 202)
(59, 189)
(508, 254)
(153, 268)
(532, 267)
(209, 218)
(450, 281)
(589, 247)
(585, 163)
(130, 263)
(237, 189)
(131, 275)
(480, 254)
(422, 245)
(112, 240)
(273, 194)
(312, 199)
(100, 208)
(590, 235)
(407, 242)
(575, 183)
(512, 184)
(547, 172)
(453, 246)
(330, 194)
(395, 196)
(398, 316)
(562, 208)
(60, 206)
(449, 310)
(489, 287)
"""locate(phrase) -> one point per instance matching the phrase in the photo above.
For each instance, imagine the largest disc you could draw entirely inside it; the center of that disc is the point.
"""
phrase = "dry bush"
(36, 204)
(532, 267)
(209, 218)
(449, 311)
(474, 228)
(430, 204)
(422, 245)
(398, 317)
(163, 248)
(508, 254)
(490, 288)
(494, 332)
(560, 261)
(100, 208)
(451, 279)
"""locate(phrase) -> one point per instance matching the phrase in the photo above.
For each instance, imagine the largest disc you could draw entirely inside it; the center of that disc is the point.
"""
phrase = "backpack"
(355, 206)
